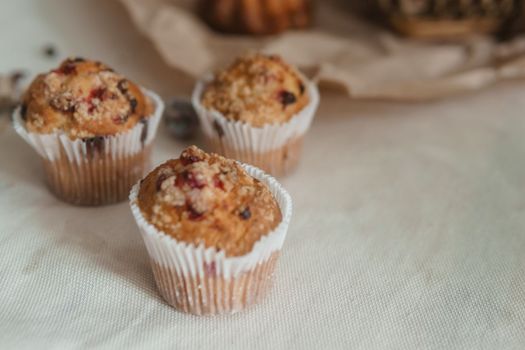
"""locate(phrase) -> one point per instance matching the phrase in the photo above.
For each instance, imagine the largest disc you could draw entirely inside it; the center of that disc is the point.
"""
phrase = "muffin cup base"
(100, 180)
(279, 162)
(212, 294)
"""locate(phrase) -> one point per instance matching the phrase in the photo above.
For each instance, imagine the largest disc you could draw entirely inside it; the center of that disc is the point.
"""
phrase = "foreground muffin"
(213, 228)
(257, 111)
(92, 127)
(256, 17)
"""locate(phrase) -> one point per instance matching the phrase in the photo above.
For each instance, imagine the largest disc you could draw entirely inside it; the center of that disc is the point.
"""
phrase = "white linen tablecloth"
(408, 229)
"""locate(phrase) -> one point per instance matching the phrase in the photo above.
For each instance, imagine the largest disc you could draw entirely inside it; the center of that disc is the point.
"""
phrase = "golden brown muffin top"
(257, 89)
(205, 198)
(84, 99)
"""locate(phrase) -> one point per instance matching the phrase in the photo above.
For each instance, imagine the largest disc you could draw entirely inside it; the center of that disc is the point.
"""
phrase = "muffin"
(257, 17)
(257, 111)
(213, 229)
(93, 129)
(445, 19)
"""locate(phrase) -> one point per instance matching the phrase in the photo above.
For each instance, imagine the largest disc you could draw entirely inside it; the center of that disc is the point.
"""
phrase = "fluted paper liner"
(99, 170)
(202, 280)
(275, 148)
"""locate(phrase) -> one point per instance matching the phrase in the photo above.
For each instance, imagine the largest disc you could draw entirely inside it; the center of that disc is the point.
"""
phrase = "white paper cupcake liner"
(99, 170)
(249, 142)
(182, 270)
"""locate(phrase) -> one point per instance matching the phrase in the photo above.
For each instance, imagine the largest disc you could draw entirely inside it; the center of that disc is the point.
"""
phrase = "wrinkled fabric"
(341, 49)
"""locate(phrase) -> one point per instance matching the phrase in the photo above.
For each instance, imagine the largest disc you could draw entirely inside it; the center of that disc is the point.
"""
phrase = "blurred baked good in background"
(257, 17)
(448, 19)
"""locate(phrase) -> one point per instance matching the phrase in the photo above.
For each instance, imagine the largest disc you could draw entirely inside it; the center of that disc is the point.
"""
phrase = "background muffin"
(92, 126)
(226, 227)
(256, 17)
(257, 89)
(83, 99)
(257, 111)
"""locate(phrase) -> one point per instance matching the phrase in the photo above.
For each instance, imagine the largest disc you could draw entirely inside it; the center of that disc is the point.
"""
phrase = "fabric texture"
(407, 233)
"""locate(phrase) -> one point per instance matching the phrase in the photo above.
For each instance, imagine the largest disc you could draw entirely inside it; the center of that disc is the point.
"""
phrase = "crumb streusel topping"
(205, 198)
(84, 99)
(257, 89)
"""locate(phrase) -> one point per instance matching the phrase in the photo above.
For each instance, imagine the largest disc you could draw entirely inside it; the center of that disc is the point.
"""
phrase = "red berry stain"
(194, 214)
(133, 105)
(188, 178)
(189, 159)
(117, 119)
(97, 93)
(217, 182)
(66, 69)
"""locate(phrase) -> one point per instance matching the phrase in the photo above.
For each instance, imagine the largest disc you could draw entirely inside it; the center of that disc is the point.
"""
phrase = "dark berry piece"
(119, 119)
(218, 128)
(122, 85)
(188, 178)
(23, 111)
(16, 76)
(71, 108)
(194, 214)
(133, 105)
(78, 59)
(144, 133)
(245, 214)
(97, 93)
(67, 68)
(287, 98)
(301, 88)
(186, 159)
(50, 51)
(94, 145)
(160, 180)
(181, 119)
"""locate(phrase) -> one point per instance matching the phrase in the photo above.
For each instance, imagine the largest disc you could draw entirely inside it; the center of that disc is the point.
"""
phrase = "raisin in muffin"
(216, 214)
(257, 94)
(256, 17)
(95, 126)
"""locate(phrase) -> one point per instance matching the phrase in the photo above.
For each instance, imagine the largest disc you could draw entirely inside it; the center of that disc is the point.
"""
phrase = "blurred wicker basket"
(256, 17)
(444, 19)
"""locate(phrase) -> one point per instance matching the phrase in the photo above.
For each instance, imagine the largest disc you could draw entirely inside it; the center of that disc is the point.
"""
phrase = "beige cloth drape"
(368, 61)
